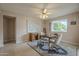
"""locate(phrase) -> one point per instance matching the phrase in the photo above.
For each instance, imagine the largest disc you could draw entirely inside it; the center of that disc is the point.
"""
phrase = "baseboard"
(21, 42)
(72, 43)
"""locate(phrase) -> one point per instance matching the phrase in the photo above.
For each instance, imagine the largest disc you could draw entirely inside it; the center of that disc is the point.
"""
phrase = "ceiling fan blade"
(48, 13)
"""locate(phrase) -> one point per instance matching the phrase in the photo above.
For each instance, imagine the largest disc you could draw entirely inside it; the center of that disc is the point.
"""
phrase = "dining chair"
(55, 47)
(43, 40)
(55, 41)
(59, 39)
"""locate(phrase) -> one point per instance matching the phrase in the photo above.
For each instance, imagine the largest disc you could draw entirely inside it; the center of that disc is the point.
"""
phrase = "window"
(34, 25)
(59, 26)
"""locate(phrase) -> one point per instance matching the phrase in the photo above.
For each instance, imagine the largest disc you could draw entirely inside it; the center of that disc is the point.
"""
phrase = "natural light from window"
(59, 25)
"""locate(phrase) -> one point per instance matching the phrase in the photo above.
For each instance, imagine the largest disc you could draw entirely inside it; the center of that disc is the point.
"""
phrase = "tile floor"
(12, 49)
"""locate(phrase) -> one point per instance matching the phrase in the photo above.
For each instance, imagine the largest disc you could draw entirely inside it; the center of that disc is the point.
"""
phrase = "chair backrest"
(42, 33)
(59, 39)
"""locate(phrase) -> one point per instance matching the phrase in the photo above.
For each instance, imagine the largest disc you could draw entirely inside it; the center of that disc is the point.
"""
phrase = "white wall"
(1, 30)
(21, 28)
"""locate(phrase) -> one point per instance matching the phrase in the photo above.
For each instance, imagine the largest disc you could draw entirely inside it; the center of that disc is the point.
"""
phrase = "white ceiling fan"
(45, 11)
(44, 14)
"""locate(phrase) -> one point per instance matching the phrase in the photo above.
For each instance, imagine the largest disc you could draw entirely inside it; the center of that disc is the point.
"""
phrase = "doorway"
(9, 29)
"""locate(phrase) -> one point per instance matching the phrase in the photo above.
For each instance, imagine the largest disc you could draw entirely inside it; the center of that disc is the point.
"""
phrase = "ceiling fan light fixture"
(45, 10)
(43, 17)
(44, 14)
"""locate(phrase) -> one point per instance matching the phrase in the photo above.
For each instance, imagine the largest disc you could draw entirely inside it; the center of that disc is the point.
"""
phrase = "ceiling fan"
(44, 14)
(45, 10)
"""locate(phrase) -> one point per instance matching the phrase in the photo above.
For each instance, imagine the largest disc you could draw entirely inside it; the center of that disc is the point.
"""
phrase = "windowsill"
(59, 31)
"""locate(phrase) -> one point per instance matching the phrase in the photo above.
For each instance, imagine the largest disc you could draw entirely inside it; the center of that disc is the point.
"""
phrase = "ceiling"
(34, 9)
